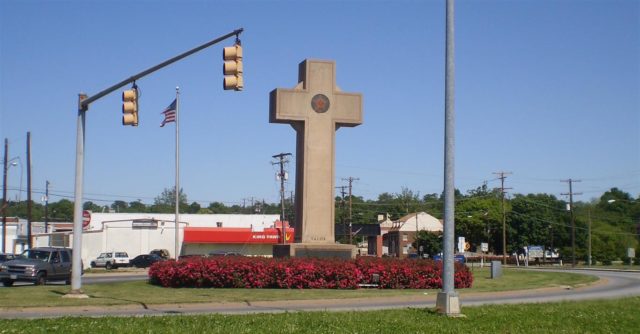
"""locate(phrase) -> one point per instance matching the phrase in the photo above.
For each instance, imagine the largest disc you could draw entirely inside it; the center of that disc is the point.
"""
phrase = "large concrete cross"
(315, 108)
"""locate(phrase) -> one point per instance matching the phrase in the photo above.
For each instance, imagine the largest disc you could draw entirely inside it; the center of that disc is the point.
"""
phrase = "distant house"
(398, 235)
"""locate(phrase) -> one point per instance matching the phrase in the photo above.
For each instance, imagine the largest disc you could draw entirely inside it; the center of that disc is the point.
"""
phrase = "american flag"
(169, 113)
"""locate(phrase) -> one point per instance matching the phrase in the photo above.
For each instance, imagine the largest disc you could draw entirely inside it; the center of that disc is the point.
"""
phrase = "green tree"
(137, 206)
(479, 219)
(165, 203)
(61, 210)
(218, 207)
(194, 207)
(88, 205)
(430, 242)
(120, 206)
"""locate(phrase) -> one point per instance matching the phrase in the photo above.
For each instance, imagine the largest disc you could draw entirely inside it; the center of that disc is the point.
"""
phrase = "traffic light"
(130, 106)
(232, 68)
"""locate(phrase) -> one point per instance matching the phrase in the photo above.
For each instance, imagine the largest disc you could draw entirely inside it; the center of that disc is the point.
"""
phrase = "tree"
(120, 206)
(430, 242)
(532, 217)
(61, 210)
(194, 207)
(479, 219)
(218, 207)
(88, 205)
(137, 206)
(165, 203)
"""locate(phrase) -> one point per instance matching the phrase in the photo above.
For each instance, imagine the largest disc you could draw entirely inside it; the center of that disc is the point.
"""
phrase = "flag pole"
(177, 191)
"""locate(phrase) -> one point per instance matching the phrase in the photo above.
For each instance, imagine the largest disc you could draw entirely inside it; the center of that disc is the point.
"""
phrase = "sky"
(544, 90)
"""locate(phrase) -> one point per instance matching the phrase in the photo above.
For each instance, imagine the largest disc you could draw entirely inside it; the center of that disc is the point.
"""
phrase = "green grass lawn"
(143, 293)
(607, 316)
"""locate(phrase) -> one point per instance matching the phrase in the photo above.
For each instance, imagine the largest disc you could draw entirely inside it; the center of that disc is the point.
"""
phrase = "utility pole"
(281, 175)
(502, 176)
(589, 240)
(4, 194)
(46, 207)
(342, 192)
(350, 179)
(573, 222)
(29, 241)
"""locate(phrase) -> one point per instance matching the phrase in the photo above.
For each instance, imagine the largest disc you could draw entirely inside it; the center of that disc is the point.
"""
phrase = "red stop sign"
(86, 218)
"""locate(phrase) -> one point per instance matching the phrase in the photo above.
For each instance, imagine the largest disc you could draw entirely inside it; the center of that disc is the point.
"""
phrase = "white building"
(139, 233)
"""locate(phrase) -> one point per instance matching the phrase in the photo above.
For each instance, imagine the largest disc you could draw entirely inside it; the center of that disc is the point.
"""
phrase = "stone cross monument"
(315, 108)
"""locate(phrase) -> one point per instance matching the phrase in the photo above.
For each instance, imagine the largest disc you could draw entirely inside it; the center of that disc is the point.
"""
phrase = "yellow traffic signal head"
(130, 107)
(232, 67)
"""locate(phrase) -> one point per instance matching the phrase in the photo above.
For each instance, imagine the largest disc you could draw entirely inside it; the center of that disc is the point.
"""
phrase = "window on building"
(405, 237)
(219, 224)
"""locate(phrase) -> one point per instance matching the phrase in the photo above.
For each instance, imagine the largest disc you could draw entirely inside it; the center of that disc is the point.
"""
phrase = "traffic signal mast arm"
(84, 103)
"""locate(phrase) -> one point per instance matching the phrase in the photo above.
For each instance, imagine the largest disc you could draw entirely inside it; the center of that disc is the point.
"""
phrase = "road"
(123, 276)
(613, 284)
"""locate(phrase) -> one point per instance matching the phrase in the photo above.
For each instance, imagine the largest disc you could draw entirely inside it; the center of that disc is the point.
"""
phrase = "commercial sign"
(230, 235)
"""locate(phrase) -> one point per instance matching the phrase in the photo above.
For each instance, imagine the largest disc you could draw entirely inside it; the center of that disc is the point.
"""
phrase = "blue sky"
(547, 90)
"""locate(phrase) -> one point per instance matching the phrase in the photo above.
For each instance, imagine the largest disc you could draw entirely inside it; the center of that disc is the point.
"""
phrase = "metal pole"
(29, 206)
(504, 224)
(447, 301)
(135, 77)
(449, 155)
(46, 209)
(177, 217)
(4, 194)
(76, 266)
(282, 215)
(589, 244)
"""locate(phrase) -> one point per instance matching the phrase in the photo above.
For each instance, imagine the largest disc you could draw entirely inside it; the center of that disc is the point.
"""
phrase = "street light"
(15, 161)
(5, 168)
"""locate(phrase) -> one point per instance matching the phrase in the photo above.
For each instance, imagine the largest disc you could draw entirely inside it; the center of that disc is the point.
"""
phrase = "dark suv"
(38, 265)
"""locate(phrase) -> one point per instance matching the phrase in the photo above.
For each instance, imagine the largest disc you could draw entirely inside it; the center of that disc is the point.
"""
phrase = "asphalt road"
(122, 276)
(613, 284)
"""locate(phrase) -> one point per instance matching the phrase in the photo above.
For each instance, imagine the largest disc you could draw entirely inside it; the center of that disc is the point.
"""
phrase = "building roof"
(417, 221)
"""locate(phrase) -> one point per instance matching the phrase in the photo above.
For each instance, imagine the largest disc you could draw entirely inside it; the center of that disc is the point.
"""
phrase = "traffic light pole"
(83, 105)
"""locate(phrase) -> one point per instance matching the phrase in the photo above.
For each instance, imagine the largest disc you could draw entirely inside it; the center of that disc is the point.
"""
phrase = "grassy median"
(143, 293)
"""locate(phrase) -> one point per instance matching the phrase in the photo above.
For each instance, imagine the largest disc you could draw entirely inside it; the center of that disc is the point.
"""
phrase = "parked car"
(145, 260)
(111, 260)
(38, 265)
(224, 253)
(456, 258)
(4, 257)
(163, 253)
(191, 257)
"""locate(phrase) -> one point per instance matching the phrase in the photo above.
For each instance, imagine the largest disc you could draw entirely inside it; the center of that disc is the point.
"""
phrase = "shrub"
(304, 273)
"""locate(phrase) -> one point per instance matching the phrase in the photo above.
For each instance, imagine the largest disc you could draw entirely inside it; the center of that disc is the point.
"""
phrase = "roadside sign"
(484, 246)
(86, 218)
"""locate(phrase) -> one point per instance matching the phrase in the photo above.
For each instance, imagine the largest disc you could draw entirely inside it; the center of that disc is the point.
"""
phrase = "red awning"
(231, 235)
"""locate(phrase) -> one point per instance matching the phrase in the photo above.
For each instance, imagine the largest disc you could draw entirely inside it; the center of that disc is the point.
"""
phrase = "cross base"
(315, 250)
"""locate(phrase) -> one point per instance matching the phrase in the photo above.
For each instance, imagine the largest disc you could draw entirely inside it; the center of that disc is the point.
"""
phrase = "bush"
(304, 273)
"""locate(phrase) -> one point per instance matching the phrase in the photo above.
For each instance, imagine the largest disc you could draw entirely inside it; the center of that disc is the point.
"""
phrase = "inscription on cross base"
(315, 108)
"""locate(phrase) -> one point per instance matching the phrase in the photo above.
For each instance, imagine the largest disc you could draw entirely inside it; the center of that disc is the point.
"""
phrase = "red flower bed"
(304, 273)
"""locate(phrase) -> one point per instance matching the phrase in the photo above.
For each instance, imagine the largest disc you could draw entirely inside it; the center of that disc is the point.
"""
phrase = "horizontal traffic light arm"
(84, 103)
